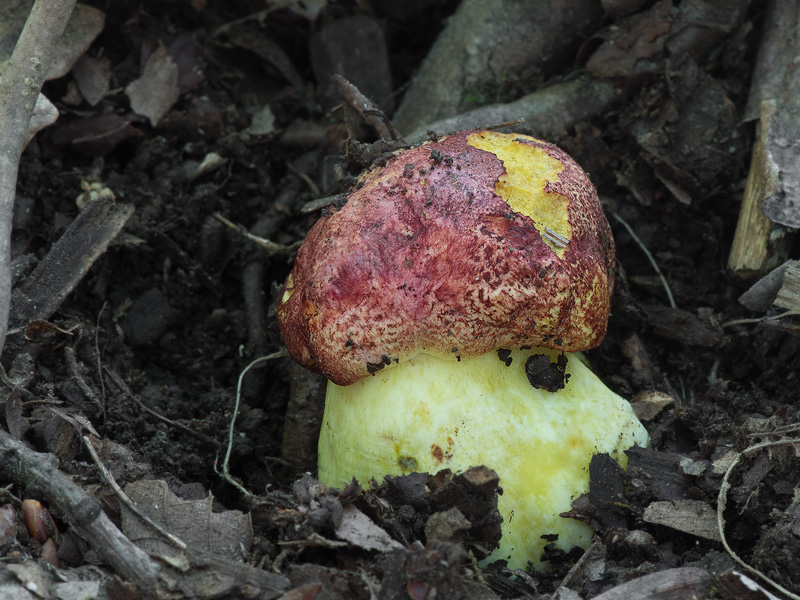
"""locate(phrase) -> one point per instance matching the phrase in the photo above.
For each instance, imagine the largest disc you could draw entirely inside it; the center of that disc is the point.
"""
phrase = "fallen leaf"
(92, 76)
(95, 136)
(689, 516)
(359, 530)
(84, 25)
(227, 534)
(154, 93)
(186, 53)
(16, 423)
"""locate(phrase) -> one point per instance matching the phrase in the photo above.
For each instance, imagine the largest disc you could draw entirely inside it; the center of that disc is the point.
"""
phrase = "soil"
(180, 303)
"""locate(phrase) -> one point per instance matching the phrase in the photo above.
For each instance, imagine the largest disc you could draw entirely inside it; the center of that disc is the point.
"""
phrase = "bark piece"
(483, 40)
(85, 240)
(548, 112)
(657, 472)
(701, 329)
(672, 584)
(789, 294)
(761, 295)
(773, 184)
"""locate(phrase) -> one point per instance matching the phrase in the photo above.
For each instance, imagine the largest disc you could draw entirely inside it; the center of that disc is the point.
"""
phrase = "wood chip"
(689, 516)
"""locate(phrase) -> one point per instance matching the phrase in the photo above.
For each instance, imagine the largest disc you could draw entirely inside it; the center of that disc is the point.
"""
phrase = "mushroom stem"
(428, 413)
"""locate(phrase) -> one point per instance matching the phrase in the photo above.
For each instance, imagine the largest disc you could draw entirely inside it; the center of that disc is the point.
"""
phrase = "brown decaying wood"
(547, 112)
(20, 464)
(772, 186)
(87, 237)
(749, 252)
(482, 42)
(789, 295)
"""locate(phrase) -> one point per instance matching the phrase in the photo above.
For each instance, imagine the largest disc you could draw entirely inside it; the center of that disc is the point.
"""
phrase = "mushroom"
(444, 303)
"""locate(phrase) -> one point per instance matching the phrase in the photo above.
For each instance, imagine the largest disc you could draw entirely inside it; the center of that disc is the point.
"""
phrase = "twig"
(788, 313)
(188, 579)
(22, 81)
(649, 256)
(125, 499)
(225, 473)
(25, 466)
(270, 247)
(376, 118)
(313, 188)
(320, 203)
(100, 360)
(722, 501)
(122, 386)
(72, 362)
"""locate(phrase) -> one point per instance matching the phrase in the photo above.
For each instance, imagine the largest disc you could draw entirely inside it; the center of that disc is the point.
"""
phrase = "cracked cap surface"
(478, 241)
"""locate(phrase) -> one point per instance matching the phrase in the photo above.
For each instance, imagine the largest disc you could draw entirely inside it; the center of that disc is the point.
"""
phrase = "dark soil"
(180, 303)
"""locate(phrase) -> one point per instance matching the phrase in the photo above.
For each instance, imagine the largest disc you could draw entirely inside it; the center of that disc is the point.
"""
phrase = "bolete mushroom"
(440, 302)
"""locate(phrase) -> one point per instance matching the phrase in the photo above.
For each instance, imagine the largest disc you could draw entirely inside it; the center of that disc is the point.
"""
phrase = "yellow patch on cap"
(528, 170)
(288, 289)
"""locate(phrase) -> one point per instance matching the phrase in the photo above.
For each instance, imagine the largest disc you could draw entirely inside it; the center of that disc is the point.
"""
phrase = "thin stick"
(788, 313)
(722, 501)
(23, 466)
(117, 380)
(271, 247)
(99, 359)
(649, 256)
(225, 473)
(22, 81)
(69, 352)
(125, 499)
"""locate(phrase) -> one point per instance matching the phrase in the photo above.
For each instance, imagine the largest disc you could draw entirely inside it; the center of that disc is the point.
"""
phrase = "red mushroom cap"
(458, 247)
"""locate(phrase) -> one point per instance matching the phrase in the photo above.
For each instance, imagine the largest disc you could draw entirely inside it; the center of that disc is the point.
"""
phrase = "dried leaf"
(84, 25)
(16, 423)
(43, 332)
(690, 516)
(45, 113)
(92, 76)
(8, 526)
(225, 534)
(156, 91)
(81, 424)
(648, 404)
(33, 577)
(186, 53)
(359, 530)
(95, 136)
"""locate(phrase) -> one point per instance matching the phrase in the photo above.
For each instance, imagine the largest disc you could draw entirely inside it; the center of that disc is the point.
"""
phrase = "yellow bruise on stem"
(428, 413)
